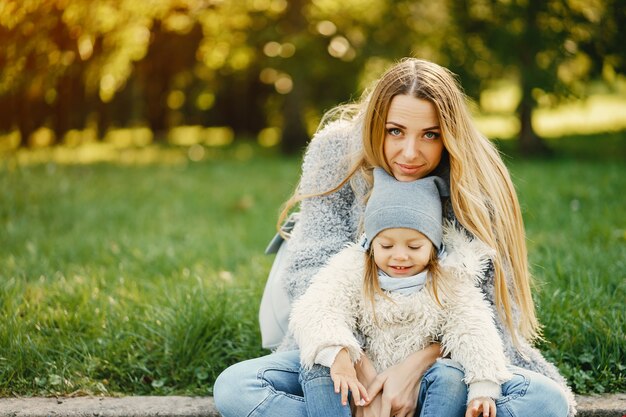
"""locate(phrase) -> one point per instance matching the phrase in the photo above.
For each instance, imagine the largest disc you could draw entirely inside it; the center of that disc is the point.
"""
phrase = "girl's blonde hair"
(482, 193)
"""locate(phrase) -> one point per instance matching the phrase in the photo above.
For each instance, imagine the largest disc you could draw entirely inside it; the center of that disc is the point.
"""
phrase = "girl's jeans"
(271, 386)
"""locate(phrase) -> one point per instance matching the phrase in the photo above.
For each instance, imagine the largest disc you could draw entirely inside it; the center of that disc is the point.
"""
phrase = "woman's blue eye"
(431, 135)
(394, 131)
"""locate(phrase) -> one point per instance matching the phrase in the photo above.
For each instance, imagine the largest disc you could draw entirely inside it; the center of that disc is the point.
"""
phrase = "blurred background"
(212, 72)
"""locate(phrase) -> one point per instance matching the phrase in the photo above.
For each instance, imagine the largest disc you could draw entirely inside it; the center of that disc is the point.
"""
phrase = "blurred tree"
(254, 63)
(536, 43)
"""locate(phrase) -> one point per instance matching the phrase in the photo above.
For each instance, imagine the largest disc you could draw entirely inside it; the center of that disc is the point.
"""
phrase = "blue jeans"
(270, 386)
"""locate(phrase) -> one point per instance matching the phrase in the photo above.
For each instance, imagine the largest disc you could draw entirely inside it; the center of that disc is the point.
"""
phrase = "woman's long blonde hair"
(482, 193)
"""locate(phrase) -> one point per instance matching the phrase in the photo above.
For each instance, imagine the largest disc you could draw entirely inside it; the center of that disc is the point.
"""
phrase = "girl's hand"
(399, 383)
(343, 374)
(484, 405)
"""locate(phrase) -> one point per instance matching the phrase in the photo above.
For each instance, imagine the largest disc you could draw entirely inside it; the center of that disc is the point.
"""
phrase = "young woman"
(407, 284)
(414, 123)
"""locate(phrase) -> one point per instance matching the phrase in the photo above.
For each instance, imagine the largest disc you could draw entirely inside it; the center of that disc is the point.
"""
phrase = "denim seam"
(503, 401)
(261, 374)
(266, 384)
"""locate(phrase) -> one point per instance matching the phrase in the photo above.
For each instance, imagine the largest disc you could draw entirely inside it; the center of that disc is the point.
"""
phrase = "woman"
(414, 123)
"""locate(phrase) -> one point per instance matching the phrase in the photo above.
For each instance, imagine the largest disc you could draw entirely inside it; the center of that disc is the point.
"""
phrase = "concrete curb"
(170, 406)
(610, 405)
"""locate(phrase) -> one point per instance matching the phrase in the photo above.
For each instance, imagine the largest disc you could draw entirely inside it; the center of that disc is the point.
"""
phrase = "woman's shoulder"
(335, 136)
(328, 156)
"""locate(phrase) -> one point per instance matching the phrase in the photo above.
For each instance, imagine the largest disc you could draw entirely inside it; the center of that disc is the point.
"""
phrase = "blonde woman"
(413, 123)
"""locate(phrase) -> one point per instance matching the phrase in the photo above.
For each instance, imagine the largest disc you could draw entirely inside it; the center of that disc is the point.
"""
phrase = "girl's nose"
(401, 255)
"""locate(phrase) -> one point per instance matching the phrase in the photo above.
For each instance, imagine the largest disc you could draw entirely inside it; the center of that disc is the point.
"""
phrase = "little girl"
(377, 302)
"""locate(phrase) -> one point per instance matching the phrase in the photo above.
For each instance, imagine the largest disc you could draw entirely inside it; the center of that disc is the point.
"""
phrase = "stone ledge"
(610, 405)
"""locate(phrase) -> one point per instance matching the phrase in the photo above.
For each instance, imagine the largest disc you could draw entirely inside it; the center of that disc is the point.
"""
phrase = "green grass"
(574, 213)
(133, 279)
(146, 278)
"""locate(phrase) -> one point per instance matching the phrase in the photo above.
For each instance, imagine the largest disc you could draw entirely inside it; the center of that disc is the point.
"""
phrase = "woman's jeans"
(272, 386)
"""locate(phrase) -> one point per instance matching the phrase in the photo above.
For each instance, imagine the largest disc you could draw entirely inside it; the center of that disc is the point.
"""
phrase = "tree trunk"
(27, 114)
(295, 135)
(529, 142)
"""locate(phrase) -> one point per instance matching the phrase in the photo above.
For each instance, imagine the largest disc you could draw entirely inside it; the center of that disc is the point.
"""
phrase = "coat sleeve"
(325, 315)
(325, 223)
(470, 337)
(469, 333)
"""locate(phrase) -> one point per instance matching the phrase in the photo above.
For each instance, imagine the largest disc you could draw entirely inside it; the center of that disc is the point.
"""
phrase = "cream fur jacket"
(334, 309)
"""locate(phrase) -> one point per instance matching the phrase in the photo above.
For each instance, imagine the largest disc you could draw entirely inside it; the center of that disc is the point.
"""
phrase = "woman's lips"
(409, 169)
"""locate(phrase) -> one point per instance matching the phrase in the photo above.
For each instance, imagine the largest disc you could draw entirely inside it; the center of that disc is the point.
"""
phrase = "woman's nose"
(410, 150)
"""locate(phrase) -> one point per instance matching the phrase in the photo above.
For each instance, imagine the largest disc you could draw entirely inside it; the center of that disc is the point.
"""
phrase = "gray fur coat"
(327, 223)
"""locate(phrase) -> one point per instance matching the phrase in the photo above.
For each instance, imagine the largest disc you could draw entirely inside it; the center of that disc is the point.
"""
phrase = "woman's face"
(412, 144)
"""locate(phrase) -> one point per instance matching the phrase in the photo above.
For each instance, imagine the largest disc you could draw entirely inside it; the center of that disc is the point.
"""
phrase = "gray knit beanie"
(413, 205)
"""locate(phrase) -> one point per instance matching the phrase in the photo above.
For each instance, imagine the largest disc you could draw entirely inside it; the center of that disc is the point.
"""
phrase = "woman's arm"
(365, 370)
(325, 223)
(399, 385)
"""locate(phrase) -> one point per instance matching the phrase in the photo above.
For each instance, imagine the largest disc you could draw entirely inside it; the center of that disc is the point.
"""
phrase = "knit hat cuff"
(391, 217)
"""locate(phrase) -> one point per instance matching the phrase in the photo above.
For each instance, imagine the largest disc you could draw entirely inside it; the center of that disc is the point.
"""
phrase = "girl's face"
(401, 252)
(412, 144)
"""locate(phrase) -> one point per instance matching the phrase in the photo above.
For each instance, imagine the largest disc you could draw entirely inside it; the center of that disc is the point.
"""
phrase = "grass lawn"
(145, 278)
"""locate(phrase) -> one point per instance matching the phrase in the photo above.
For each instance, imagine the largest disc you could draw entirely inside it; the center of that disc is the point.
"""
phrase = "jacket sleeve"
(325, 315)
(325, 223)
(469, 333)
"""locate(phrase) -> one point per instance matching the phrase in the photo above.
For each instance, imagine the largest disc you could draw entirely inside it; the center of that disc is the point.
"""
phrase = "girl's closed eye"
(415, 247)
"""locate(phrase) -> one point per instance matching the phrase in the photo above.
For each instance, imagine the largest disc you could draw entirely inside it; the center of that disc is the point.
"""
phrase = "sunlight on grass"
(597, 114)
(600, 113)
(127, 146)
(193, 135)
(97, 152)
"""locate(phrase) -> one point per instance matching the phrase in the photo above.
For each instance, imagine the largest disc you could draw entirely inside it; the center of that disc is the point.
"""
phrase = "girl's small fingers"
(356, 393)
(337, 385)
(344, 393)
(486, 408)
(473, 409)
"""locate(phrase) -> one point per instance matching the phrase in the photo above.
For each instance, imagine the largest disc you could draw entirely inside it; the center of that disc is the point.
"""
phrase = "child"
(400, 291)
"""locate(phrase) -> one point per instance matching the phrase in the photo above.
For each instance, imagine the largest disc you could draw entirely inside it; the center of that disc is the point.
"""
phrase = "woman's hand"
(343, 374)
(484, 405)
(372, 409)
(399, 384)
(365, 370)
(366, 373)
